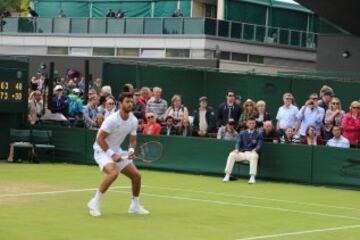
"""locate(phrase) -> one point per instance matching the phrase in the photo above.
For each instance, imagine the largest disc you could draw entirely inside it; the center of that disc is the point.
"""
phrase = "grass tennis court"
(48, 201)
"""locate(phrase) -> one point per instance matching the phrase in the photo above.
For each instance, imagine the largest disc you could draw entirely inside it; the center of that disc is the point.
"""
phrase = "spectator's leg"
(253, 160)
(11, 153)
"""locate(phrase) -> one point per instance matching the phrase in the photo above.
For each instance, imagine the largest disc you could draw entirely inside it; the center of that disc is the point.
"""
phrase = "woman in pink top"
(351, 123)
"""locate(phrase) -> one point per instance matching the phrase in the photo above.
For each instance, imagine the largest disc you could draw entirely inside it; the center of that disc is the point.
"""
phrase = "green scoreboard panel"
(13, 88)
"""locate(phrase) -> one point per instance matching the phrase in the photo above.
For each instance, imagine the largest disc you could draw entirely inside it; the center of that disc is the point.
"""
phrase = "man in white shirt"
(286, 115)
(112, 159)
(338, 140)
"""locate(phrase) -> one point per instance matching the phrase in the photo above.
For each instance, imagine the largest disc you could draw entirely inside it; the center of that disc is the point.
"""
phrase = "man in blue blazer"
(248, 146)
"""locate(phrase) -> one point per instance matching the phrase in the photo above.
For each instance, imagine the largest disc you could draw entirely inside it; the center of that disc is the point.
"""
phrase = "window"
(225, 55)
(239, 57)
(179, 53)
(128, 52)
(256, 59)
(57, 51)
(103, 52)
(153, 53)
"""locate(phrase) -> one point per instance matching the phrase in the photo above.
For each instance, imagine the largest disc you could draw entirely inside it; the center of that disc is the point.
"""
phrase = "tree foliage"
(10, 5)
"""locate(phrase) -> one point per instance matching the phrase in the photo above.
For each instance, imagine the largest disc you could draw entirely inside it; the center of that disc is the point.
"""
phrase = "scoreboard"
(13, 90)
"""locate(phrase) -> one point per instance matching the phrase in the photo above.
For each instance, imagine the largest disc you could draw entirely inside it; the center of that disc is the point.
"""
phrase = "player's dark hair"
(124, 95)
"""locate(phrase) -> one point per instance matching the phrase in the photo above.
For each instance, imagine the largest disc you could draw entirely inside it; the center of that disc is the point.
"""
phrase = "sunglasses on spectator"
(335, 103)
(150, 117)
(288, 98)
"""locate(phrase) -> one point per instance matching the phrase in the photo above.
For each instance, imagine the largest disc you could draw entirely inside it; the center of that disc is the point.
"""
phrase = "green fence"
(192, 83)
(294, 163)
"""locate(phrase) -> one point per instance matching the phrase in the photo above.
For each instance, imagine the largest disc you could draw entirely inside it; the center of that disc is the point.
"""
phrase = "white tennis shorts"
(102, 159)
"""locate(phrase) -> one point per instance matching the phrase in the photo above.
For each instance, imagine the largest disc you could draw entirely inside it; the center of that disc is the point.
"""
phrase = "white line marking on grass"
(301, 232)
(54, 192)
(246, 205)
(253, 197)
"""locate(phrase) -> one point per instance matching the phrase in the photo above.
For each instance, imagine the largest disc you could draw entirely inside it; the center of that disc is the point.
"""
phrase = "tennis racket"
(149, 152)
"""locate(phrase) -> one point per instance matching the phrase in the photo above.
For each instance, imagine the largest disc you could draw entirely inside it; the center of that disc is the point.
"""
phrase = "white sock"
(135, 200)
(98, 196)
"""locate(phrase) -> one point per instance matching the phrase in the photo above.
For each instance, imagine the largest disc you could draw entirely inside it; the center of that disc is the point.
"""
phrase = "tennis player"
(112, 159)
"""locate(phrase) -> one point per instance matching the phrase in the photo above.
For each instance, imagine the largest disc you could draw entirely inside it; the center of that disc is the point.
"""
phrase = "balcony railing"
(160, 26)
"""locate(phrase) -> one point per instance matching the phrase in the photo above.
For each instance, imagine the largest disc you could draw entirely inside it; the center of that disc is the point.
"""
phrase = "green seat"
(21, 138)
(41, 140)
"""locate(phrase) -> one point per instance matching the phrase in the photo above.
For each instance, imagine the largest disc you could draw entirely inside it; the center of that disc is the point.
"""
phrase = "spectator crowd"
(321, 120)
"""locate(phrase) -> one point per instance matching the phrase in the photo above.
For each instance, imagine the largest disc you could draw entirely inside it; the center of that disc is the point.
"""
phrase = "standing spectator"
(32, 12)
(289, 136)
(61, 14)
(228, 110)
(119, 14)
(177, 13)
(110, 13)
(59, 103)
(249, 112)
(97, 85)
(110, 107)
(325, 88)
(333, 117)
(325, 100)
(178, 111)
(310, 115)
(151, 127)
(248, 147)
(338, 140)
(139, 107)
(75, 107)
(169, 128)
(35, 83)
(90, 112)
(268, 132)
(351, 123)
(286, 115)
(157, 105)
(185, 129)
(312, 138)
(261, 115)
(35, 107)
(145, 93)
(204, 119)
(228, 131)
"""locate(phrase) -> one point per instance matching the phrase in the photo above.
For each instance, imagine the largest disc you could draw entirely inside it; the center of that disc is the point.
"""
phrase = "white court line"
(300, 232)
(54, 192)
(246, 205)
(252, 197)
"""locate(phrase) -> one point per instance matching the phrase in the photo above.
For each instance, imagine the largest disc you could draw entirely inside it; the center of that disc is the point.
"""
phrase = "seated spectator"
(91, 92)
(141, 124)
(151, 127)
(338, 140)
(249, 112)
(325, 100)
(106, 92)
(110, 107)
(97, 85)
(310, 115)
(90, 112)
(138, 107)
(238, 101)
(102, 105)
(32, 12)
(286, 115)
(119, 14)
(290, 137)
(228, 110)
(228, 131)
(178, 111)
(128, 87)
(247, 148)
(59, 103)
(157, 105)
(169, 128)
(312, 138)
(110, 13)
(185, 128)
(75, 106)
(99, 119)
(204, 119)
(333, 117)
(145, 93)
(268, 132)
(61, 14)
(351, 123)
(35, 107)
(177, 13)
(261, 115)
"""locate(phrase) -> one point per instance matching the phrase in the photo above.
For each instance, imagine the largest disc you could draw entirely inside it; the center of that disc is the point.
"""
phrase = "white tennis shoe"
(252, 180)
(137, 209)
(226, 178)
(94, 208)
